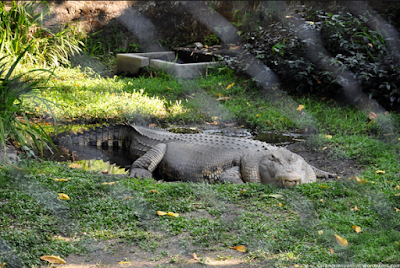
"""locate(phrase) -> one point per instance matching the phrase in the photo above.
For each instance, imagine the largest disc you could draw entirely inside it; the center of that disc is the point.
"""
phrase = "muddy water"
(117, 160)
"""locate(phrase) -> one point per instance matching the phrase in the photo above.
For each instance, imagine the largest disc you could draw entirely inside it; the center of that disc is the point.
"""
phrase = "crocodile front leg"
(232, 175)
(145, 165)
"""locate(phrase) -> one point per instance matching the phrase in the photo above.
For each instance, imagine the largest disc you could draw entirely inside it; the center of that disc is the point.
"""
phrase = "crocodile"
(200, 157)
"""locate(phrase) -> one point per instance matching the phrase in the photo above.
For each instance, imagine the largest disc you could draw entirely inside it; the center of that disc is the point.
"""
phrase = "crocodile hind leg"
(232, 175)
(145, 165)
(323, 174)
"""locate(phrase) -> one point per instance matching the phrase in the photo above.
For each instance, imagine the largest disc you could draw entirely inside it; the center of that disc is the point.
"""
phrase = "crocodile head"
(285, 169)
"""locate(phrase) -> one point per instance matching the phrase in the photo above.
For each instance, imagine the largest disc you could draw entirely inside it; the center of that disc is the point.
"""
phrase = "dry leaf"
(380, 172)
(341, 241)
(276, 195)
(331, 251)
(357, 179)
(213, 123)
(195, 257)
(355, 208)
(397, 210)
(370, 45)
(242, 191)
(3, 265)
(323, 149)
(372, 115)
(320, 232)
(223, 98)
(173, 214)
(301, 107)
(230, 85)
(152, 125)
(109, 183)
(154, 191)
(67, 179)
(280, 204)
(74, 165)
(63, 196)
(324, 186)
(128, 197)
(240, 248)
(356, 228)
(269, 122)
(124, 262)
(397, 194)
(161, 213)
(329, 136)
(53, 259)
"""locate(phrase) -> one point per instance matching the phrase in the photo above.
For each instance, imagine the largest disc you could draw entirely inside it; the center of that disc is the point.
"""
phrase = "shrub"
(352, 46)
(15, 126)
(21, 26)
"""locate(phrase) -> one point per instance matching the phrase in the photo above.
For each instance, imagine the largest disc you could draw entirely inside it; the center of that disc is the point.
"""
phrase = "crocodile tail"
(112, 135)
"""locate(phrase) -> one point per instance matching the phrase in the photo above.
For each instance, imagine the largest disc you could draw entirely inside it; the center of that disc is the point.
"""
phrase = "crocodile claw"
(140, 173)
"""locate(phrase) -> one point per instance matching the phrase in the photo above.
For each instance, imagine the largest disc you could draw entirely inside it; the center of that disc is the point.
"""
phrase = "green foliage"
(353, 46)
(21, 27)
(15, 125)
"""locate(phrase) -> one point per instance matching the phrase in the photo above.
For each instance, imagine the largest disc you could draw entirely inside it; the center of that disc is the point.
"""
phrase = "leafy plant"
(352, 44)
(21, 27)
(15, 126)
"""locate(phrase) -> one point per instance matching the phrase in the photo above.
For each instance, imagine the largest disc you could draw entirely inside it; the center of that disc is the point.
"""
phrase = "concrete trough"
(131, 63)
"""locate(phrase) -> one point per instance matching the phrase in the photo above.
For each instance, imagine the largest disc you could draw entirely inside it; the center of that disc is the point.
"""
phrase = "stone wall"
(179, 22)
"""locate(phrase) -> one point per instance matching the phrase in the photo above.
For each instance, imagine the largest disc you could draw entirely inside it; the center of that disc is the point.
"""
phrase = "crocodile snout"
(289, 180)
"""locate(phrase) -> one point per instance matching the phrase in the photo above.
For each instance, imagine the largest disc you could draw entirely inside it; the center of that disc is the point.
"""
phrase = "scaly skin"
(202, 157)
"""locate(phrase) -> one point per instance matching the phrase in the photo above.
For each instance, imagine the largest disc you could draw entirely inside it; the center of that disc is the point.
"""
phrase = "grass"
(280, 227)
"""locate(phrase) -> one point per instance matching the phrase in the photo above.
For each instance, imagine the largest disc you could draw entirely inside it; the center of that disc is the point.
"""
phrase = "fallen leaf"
(161, 213)
(341, 241)
(356, 228)
(74, 165)
(223, 98)
(63, 196)
(230, 85)
(329, 136)
(324, 186)
(154, 191)
(331, 251)
(276, 195)
(323, 149)
(67, 179)
(357, 179)
(380, 172)
(109, 183)
(258, 115)
(230, 125)
(370, 45)
(280, 204)
(355, 208)
(169, 88)
(397, 194)
(53, 259)
(195, 257)
(128, 197)
(124, 262)
(3, 265)
(397, 187)
(397, 210)
(320, 232)
(240, 248)
(173, 214)
(152, 125)
(213, 123)
(324, 98)
(242, 191)
(301, 107)
(322, 200)
(372, 115)
(268, 122)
